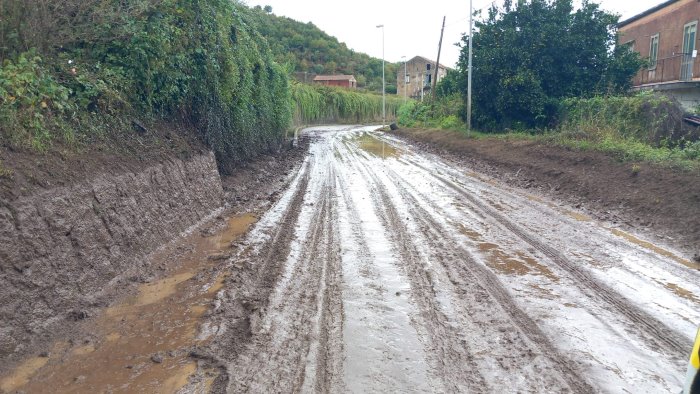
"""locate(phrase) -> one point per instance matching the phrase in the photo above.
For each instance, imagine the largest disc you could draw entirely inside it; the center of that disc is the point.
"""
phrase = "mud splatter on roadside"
(143, 344)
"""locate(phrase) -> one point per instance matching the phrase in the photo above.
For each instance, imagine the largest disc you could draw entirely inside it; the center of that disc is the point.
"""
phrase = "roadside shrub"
(646, 117)
(440, 113)
(30, 100)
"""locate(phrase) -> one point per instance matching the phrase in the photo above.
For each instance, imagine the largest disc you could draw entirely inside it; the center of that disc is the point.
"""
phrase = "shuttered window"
(653, 51)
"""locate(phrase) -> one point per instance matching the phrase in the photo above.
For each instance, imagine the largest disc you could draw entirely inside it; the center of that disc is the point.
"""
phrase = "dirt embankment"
(658, 201)
(67, 249)
(76, 226)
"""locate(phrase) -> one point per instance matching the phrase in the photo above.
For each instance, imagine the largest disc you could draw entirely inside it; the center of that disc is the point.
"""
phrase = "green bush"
(646, 117)
(441, 113)
(31, 101)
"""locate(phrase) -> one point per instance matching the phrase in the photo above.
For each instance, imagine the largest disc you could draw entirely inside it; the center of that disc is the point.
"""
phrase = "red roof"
(334, 78)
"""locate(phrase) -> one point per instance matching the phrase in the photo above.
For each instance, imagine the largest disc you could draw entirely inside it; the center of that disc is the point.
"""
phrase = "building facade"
(415, 77)
(666, 35)
(343, 81)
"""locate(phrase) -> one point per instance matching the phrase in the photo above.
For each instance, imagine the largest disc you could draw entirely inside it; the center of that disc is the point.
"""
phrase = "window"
(653, 51)
(689, 36)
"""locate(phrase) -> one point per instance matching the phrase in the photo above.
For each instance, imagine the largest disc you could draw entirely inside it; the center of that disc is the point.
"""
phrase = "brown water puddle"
(473, 235)
(143, 343)
(376, 146)
(577, 216)
(520, 264)
(654, 248)
(681, 292)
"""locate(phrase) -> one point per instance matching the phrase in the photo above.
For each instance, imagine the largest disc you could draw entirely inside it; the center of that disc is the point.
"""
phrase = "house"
(666, 35)
(418, 78)
(345, 81)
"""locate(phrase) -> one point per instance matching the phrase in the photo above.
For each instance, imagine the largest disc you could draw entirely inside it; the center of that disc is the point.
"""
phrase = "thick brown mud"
(382, 268)
(143, 344)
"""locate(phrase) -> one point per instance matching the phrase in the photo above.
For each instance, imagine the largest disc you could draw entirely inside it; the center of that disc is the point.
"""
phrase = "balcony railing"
(679, 67)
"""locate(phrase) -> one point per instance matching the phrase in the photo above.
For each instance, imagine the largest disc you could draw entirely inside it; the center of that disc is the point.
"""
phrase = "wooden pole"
(437, 66)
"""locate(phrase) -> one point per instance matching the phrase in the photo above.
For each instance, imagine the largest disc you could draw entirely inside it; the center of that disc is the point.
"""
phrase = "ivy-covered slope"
(72, 68)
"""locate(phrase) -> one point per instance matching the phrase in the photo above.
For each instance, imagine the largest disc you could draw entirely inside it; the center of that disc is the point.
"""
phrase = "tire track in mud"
(658, 335)
(471, 273)
(251, 291)
(454, 363)
(284, 355)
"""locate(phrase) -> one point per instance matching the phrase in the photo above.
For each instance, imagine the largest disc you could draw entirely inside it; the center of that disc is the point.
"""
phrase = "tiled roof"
(334, 78)
(645, 13)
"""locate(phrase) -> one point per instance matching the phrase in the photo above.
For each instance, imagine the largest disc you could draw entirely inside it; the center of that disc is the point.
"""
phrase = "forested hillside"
(306, 48)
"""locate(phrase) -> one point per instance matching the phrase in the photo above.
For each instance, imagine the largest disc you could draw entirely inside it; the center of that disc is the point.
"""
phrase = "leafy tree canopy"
(531, 54)
(308, 49)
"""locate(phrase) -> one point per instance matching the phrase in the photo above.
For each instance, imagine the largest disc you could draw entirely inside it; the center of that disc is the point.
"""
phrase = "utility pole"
(469, 82)
(383, 81)
(437, 66)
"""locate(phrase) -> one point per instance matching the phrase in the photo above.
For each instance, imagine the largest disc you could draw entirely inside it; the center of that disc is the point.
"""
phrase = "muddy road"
(382, 270)
(375, 267)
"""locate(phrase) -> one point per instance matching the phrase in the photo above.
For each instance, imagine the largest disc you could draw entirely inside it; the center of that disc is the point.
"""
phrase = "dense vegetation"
(70, 66)
(315, 104)
(78, 70)
(543, 70)
(531, 55)
(307, 49)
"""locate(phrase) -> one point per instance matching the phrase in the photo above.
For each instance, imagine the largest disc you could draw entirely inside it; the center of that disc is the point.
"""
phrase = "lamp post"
(383, 81)
(405, 82)
(469, 83)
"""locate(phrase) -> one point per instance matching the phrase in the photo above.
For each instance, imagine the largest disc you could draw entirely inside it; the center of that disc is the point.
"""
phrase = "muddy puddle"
(375, 146)
(517, 264)
(681, 292)
(143, 343)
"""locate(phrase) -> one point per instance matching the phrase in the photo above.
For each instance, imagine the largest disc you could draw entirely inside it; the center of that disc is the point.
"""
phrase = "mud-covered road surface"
(376, 267)
(381, 269)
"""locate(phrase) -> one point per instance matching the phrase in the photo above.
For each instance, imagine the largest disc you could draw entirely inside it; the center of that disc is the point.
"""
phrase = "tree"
(529, 56)
(268, 9)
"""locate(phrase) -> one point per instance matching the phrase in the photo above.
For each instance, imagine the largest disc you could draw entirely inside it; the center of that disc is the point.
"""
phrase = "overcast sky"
(411, 28)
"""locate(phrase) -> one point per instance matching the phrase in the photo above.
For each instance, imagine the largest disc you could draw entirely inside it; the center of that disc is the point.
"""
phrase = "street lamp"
(405, 82)
(383, 81)
(470, 66)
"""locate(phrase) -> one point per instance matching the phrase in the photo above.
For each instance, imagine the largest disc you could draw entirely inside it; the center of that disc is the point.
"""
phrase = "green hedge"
(317, 104)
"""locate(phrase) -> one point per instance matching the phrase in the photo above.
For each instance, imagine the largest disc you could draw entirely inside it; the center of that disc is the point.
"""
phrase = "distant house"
(418, 78)
(345, 81)
(666, 35)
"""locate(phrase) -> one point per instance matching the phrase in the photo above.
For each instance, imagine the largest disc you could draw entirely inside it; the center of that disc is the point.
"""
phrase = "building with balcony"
(666, 35)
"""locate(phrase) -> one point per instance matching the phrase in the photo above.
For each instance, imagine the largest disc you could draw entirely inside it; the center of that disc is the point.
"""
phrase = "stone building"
(419, 74)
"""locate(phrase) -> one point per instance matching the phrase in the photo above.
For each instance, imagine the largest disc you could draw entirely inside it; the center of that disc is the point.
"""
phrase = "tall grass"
(318, 104)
